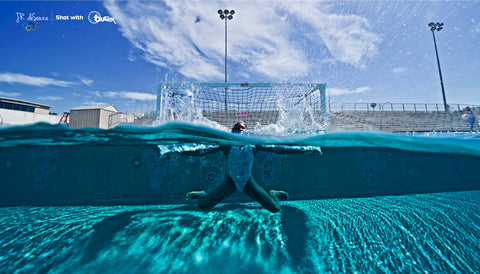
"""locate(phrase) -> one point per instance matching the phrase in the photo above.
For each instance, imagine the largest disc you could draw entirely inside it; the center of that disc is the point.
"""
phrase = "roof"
(108, 107)
(24, 103)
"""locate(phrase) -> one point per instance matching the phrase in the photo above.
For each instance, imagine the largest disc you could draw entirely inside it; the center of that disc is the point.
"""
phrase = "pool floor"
(412, 233)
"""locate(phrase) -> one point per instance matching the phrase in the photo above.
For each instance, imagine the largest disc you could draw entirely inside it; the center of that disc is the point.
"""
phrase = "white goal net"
(258, 104)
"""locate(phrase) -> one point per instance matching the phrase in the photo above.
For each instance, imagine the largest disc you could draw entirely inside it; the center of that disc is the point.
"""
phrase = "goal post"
(258, 104)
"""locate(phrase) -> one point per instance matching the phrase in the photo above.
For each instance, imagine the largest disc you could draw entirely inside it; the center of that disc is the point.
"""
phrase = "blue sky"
(365, 51)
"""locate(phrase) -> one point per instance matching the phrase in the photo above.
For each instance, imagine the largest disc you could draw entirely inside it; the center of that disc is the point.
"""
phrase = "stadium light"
(437, 27)
(224, 15)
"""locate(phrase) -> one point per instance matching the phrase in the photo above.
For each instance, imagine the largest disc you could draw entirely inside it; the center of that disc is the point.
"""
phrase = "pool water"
(437, 233)
(97, 201)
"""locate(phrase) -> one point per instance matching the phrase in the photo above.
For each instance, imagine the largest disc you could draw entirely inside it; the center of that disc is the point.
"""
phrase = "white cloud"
(85, 81)
(9, 94)
(263, 38)
(94, 93)
(17, 78)
(109, 94)
(347, 37)
(49, 98)
(340, 91)
(399, 70)
(139, 96)
(93, 103)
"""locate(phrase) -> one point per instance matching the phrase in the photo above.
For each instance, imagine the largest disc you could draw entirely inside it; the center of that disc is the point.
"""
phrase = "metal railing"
(420, 107)
(146, 114)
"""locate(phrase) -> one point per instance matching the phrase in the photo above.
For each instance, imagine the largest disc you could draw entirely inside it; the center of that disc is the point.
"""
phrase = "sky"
(56, 53)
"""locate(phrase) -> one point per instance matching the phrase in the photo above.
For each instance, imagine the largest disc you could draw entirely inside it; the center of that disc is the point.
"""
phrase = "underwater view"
(415, 233)
(349, 220)
(239, 136)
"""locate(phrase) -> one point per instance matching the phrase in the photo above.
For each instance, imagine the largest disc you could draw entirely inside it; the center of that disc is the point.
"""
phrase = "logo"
(95, 17)
(31, 26)
(31, 23)
(31, 17)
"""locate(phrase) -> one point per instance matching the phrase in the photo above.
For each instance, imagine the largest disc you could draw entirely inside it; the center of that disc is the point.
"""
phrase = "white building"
(92, 116)
(18, 112)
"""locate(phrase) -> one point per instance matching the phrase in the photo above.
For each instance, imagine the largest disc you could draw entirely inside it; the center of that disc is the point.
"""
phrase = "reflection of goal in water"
(257, 104)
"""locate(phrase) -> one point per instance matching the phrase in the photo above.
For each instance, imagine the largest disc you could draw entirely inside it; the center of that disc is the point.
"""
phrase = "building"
(92, 116)
(18, 112)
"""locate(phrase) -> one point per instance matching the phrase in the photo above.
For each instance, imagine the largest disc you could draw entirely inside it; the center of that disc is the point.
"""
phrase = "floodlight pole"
(224, 15)
(225, 50)
(439, 26)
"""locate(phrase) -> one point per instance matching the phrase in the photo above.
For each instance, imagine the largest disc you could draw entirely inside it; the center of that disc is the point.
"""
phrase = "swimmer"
(471, 117)
(239, 176)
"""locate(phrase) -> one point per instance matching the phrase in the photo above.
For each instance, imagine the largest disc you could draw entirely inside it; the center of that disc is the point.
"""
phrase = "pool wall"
(138, 175)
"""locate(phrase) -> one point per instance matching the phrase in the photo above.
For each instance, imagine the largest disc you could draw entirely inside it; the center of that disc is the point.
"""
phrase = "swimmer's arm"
(202, 152)
(282, 149)
(195, 152)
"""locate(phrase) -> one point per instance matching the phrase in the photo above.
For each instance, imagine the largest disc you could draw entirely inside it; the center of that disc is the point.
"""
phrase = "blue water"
(43, 134)
(433, 232)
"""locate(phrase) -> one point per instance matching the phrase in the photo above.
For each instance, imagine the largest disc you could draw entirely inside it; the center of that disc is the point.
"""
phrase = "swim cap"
(239, 127)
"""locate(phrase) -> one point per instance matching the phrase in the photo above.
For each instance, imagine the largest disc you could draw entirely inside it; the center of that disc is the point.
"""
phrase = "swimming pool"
(93, 200)
(56, 165)
(413, 233)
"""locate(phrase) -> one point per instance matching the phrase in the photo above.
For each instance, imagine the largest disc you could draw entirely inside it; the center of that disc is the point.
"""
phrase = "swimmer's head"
(239, 127)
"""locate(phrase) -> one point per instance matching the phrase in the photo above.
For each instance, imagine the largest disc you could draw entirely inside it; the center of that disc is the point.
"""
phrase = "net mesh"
(256, 104)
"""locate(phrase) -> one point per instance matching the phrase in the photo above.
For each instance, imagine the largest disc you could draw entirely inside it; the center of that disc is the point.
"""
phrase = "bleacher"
(397, 121)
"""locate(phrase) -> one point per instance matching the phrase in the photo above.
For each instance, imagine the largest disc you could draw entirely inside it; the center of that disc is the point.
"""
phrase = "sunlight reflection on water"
(413, 233)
